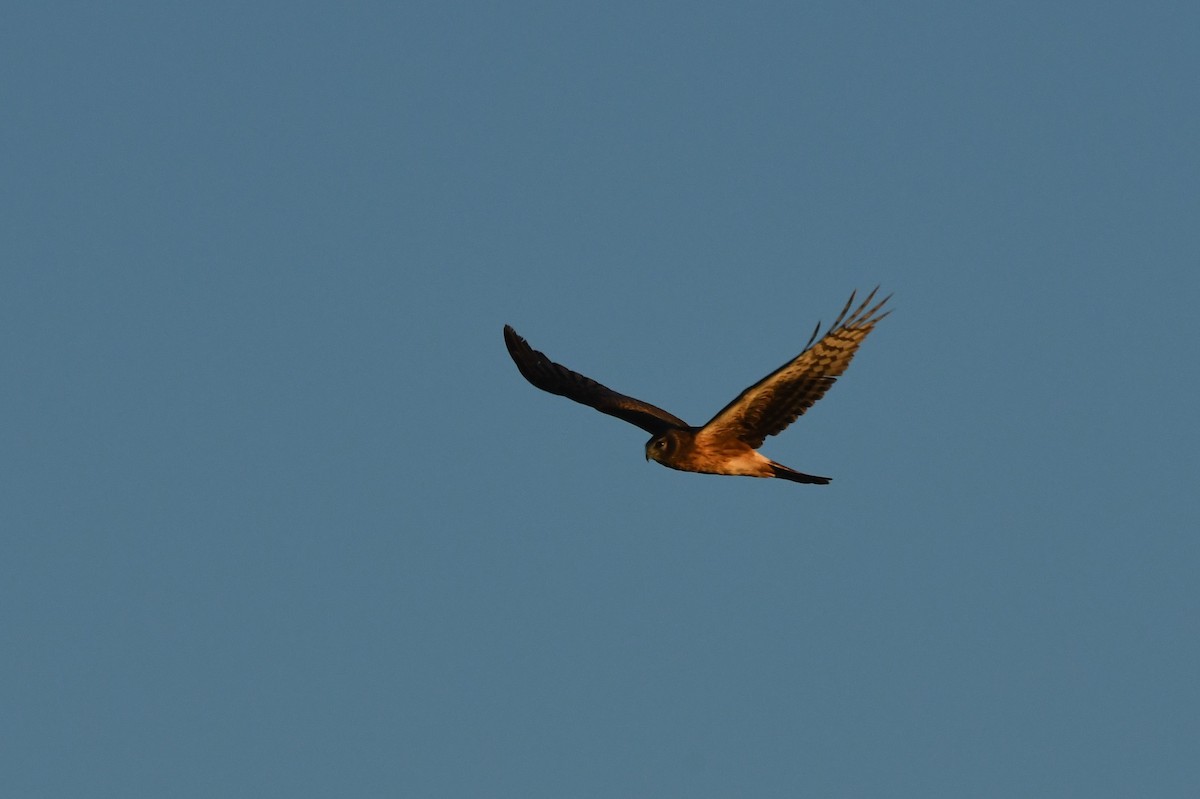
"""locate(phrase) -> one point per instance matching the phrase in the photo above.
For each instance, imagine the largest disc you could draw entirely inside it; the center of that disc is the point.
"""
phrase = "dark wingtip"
(513, 341)
(521, 353)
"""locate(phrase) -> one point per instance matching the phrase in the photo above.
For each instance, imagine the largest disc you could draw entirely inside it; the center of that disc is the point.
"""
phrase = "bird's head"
(662, 446)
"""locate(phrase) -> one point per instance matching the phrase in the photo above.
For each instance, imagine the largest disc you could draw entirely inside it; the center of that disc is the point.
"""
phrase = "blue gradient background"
(280, 518)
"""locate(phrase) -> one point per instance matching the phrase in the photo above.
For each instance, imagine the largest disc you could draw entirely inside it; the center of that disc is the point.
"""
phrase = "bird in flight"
(728, 443)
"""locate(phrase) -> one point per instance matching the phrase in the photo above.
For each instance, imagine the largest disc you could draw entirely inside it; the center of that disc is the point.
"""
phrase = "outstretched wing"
(558, 379)
(774, 402)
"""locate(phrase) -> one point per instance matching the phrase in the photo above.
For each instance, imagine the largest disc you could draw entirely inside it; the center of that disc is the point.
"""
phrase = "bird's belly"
(745, 462)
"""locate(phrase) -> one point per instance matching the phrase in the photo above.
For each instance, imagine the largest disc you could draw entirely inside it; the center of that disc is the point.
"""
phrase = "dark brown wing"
(774, 402)
(558, 379)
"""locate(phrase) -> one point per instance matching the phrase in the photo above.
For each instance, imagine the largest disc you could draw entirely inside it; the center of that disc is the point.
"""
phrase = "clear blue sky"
(280, 518)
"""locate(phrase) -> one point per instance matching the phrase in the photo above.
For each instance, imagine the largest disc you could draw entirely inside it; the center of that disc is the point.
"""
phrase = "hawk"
(728, 443)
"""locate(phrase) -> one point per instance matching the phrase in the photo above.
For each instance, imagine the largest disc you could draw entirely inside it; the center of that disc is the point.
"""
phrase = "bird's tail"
(780, 470)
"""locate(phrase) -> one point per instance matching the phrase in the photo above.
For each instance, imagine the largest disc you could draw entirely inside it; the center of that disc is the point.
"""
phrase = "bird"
(728, 443)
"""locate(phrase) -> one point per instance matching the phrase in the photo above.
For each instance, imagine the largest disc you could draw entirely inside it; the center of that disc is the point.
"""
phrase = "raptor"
(728, 443)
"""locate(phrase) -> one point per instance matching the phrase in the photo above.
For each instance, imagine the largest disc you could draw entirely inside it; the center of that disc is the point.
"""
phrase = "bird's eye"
(661, 443)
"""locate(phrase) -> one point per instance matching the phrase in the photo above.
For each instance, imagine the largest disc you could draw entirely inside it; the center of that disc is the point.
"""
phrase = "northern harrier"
(727, 444)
